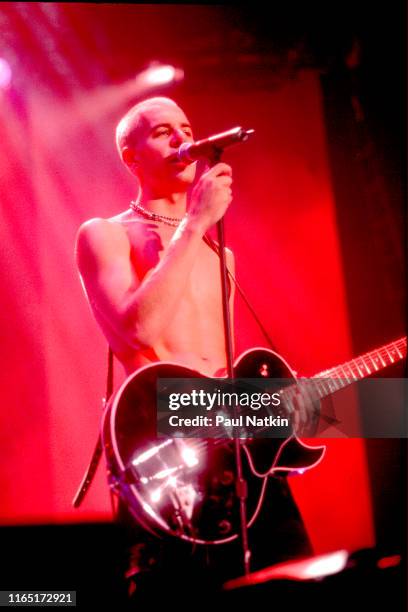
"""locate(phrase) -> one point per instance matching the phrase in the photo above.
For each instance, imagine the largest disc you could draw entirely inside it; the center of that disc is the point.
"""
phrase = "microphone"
(212, 146)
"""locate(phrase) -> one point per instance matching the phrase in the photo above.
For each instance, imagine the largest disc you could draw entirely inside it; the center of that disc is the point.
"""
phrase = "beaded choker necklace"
(147, 214)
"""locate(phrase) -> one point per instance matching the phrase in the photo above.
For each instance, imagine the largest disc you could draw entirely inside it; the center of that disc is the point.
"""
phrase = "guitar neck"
(336, 378)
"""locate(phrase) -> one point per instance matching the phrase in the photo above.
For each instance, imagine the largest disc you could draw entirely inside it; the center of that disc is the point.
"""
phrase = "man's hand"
(211, 196)
(305, 411)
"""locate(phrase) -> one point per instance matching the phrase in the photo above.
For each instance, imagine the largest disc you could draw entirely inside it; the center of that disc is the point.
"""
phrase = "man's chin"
(184, 178)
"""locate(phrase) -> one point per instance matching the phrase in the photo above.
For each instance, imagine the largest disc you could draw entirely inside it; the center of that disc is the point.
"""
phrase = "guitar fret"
(350, 370)
(322, 389)
(345, 375)
(318, 389)
(341, 382)
(365, 365)
(389, 354)
(324, 383)
(386, 356)
(373, 362)
(326, 386)
(331, 382)
(378, 362)
(358, 368)
(400, 355)
(381, 359)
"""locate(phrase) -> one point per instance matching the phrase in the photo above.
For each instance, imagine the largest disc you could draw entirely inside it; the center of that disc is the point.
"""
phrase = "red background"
(59, 168)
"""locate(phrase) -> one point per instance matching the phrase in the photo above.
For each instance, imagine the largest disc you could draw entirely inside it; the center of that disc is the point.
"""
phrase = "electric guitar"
(186, 487)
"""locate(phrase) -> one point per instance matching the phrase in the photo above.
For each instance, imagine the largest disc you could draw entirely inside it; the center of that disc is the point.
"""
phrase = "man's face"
(163, 128)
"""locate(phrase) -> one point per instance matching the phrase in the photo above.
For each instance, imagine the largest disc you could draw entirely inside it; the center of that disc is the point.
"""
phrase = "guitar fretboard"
(336, 378)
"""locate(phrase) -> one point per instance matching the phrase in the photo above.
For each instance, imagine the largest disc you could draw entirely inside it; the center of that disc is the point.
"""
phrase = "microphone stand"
(241, 484)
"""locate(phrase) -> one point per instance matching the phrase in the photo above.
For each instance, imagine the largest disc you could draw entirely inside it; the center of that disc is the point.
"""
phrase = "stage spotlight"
(94, 105)
(157, 75)
(5, 74)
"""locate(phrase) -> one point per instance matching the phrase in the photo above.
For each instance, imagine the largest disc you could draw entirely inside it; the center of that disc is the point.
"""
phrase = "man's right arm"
(138, 310)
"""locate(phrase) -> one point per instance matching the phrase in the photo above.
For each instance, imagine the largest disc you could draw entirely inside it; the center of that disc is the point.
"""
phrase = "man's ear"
(129, 156)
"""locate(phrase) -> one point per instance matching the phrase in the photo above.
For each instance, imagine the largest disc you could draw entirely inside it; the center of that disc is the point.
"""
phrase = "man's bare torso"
(195, 336)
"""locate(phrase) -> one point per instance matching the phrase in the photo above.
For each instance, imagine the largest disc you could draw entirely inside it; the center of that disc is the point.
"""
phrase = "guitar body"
(186, 487)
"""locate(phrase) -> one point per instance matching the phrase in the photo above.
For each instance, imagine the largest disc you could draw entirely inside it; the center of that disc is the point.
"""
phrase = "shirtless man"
(154, 288)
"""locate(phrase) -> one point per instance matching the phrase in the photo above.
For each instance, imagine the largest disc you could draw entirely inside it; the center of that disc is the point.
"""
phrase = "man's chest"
(202, 284)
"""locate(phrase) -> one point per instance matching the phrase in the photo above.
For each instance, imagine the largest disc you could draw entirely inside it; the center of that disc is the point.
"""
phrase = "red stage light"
(386, 562)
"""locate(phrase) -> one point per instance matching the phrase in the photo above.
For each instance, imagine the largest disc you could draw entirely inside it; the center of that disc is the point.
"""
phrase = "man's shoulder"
(98, 228)
(102, 224)
(99, 234)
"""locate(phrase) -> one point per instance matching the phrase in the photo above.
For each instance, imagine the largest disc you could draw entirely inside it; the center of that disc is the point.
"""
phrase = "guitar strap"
(96, 456)
(97, 453)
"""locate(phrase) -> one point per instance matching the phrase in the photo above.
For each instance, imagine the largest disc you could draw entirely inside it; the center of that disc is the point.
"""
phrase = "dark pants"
(169, 566)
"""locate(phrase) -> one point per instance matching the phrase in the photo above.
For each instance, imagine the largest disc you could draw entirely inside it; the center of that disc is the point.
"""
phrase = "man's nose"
(178, 137)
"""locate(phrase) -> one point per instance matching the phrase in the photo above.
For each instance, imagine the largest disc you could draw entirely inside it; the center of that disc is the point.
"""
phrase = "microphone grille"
(183, 152)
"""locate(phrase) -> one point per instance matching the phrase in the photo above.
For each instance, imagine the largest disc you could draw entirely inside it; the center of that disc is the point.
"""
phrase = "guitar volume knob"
(264, 370)
(224, 527)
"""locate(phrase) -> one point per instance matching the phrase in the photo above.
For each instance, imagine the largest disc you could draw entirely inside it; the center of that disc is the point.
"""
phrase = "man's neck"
(170, 205)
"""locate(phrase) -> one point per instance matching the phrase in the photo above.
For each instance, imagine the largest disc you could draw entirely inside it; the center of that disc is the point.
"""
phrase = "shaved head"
(147, 136)
(129, 127)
